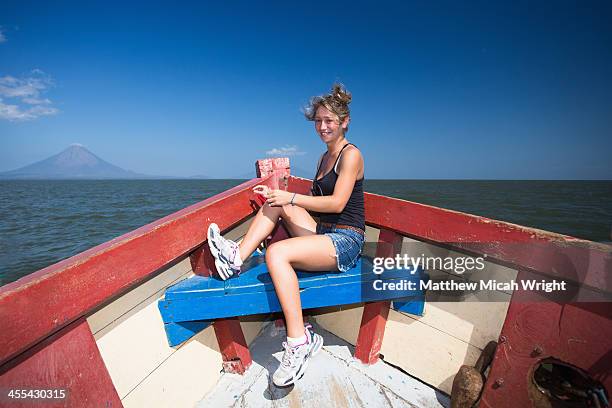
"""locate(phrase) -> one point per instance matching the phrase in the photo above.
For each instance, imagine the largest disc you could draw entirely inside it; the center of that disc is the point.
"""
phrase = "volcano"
(75, 162)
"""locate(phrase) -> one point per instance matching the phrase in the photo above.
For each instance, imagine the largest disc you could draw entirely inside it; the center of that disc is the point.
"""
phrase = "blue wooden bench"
(193, 304)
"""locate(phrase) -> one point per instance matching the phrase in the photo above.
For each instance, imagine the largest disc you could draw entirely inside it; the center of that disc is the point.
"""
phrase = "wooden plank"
(135, 348)
(255, 278)
(113, 314)
(45, 301)
(371, 332)
(179, 332)
(299, 185)
(233, 346)
(194, 287)
(68, 360)
(244, 304)
(374, 318)
(181, 378)
(424, 352)
(415, 305)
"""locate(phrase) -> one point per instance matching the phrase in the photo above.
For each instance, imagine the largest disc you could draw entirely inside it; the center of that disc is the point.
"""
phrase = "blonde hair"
(336, 101)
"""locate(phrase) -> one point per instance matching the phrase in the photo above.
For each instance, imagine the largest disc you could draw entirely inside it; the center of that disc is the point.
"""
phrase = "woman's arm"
(335, 203)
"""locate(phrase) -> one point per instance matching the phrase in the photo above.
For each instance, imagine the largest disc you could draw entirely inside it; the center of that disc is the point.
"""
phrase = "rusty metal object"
(556, 384)
(469, 381)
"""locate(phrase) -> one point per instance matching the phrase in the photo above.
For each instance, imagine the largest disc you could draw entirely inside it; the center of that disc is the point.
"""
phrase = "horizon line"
(162, 178)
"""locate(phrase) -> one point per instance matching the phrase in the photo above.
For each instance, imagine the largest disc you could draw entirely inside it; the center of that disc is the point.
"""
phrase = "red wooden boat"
(87, 332)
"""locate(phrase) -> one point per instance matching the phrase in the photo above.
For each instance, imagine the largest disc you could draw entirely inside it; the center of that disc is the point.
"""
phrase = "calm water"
(42, 222)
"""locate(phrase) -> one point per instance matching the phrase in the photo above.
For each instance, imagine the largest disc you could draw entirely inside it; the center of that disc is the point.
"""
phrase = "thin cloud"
(285, 151)
(2, 36)
(35, 101)
(21, 98)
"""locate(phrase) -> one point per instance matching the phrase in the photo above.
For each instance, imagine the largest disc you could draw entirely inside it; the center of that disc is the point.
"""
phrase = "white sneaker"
(224, 252)
(295, 359)
(316, 339)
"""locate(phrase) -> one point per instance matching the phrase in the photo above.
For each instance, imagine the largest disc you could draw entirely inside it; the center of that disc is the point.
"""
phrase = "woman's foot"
(295, 358)
(226, 253)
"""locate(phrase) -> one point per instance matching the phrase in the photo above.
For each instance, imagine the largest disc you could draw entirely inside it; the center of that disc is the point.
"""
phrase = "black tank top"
(353, 213)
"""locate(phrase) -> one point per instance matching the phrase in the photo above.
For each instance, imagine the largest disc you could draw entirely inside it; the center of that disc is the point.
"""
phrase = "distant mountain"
(76, 162)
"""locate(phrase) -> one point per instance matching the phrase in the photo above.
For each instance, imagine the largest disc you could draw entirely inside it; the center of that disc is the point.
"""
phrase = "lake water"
(43, 222)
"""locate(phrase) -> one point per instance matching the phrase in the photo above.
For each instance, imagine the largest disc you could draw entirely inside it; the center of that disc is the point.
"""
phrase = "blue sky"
(441, 90)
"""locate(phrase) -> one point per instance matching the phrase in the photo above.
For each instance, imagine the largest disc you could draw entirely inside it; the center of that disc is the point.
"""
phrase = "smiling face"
(328, 126)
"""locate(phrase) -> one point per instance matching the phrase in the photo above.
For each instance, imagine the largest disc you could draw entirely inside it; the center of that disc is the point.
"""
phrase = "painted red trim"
(278, 165)
(278, 234)
(68, 360)
(575, 333)
(374, 318)
(279, 170)
(202, 261)
(233, 346)
(371, 331)
(43, 302)
(299, 185)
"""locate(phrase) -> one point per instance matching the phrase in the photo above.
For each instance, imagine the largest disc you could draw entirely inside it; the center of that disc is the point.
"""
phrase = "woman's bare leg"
(298, 221)
(310, 252)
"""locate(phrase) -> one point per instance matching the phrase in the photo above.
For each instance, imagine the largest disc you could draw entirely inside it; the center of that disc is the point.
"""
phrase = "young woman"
(332, 243)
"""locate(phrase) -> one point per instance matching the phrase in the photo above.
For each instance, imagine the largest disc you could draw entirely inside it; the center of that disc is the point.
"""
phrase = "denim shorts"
(348, 244)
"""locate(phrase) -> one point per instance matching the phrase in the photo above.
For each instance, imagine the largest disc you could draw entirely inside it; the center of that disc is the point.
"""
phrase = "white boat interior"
(421, 354)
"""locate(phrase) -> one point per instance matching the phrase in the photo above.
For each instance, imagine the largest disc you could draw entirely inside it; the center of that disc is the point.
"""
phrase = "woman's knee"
(288, 211)
(267, 209)
(299, 221)
(276, 253)
(284, 211)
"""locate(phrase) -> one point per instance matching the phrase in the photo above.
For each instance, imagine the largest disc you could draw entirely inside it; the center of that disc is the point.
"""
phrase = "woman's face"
(328, 125)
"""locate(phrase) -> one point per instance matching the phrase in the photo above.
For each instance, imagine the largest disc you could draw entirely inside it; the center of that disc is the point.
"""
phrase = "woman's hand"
(274, 197)
(279, 198)
(261, 190)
